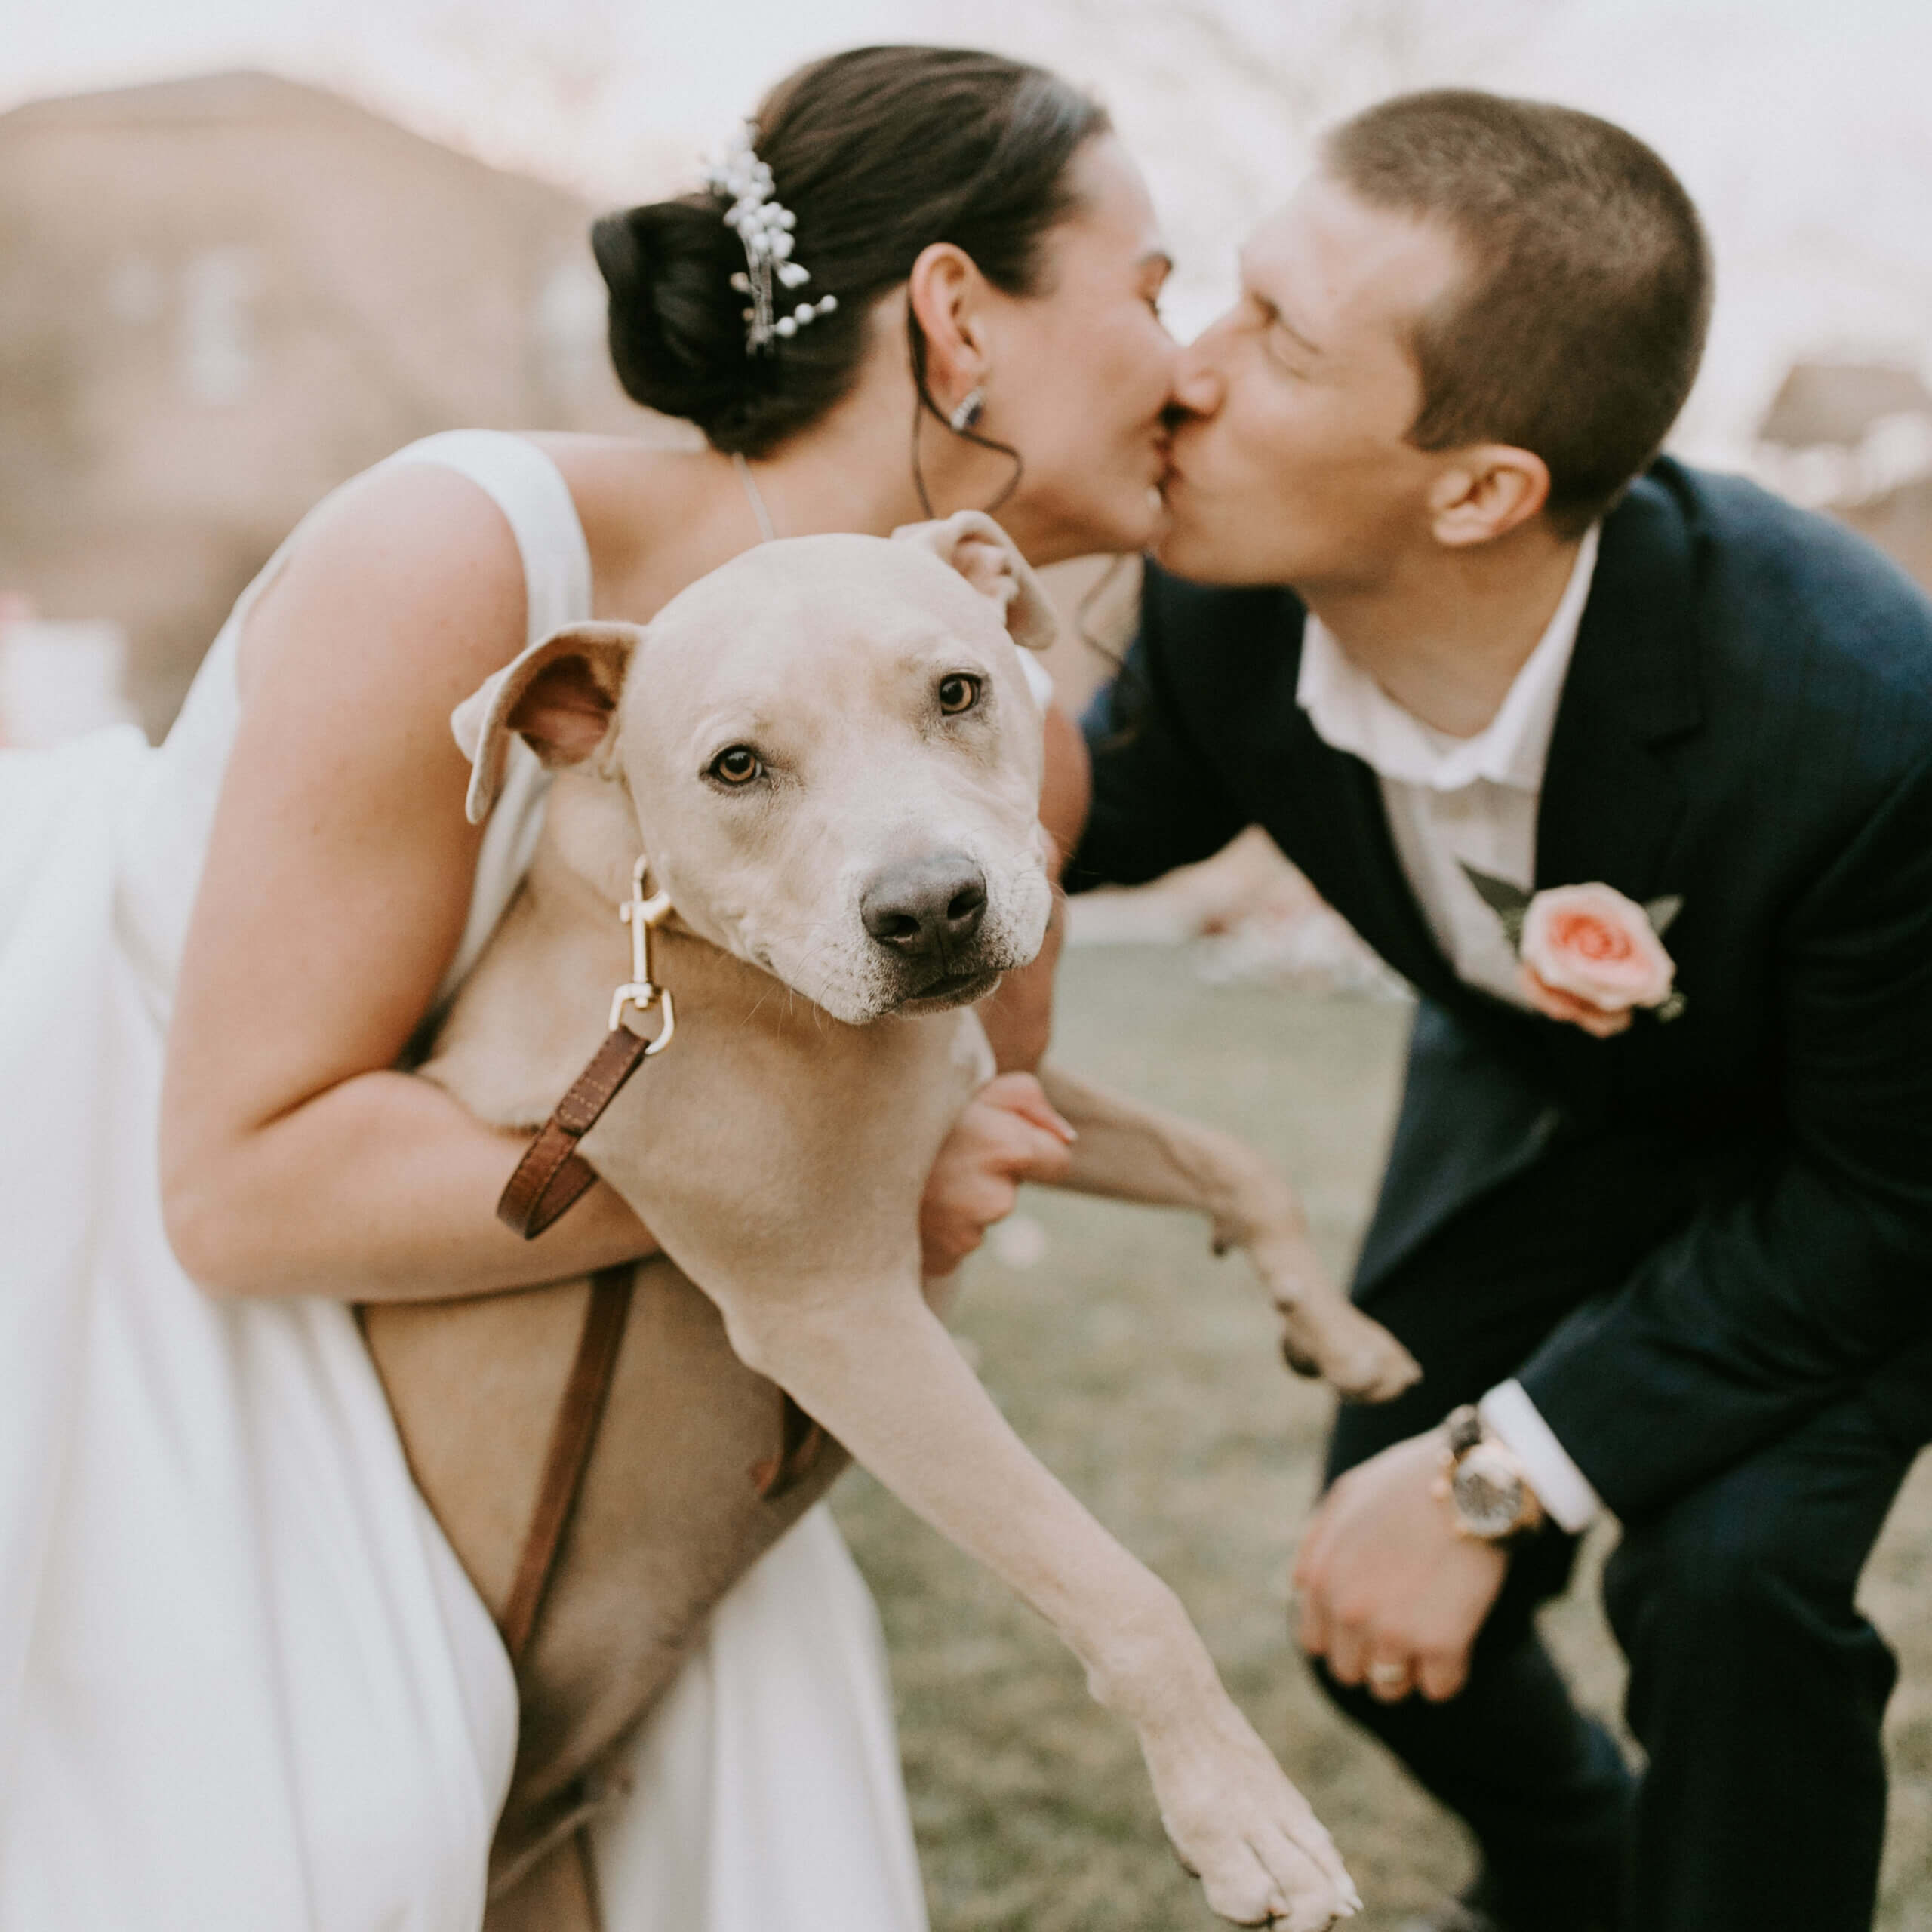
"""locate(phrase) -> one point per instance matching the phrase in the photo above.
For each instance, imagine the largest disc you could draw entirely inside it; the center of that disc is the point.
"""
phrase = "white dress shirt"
(1453, 802)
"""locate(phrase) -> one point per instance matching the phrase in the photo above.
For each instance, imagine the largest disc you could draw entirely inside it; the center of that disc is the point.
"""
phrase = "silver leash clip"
(640, 914)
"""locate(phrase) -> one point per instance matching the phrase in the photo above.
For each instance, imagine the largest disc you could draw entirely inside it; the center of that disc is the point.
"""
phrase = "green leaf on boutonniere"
(1673, 1007)
(1661, 912)
(1508, 903)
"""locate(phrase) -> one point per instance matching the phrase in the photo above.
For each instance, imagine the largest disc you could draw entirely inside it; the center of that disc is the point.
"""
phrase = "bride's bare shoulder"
(413, 552)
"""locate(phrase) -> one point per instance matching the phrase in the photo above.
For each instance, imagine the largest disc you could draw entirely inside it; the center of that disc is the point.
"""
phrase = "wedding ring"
(1388, 1675)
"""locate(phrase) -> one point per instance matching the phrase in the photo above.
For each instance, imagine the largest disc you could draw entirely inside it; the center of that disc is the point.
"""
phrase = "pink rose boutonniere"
(1589, 955)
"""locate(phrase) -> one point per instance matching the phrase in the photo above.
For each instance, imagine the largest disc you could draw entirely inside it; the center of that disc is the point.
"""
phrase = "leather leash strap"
(553, 1174)
(551, 1177)
(572, 1437)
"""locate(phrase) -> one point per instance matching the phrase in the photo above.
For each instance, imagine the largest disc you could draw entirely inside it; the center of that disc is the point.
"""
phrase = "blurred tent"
(1855, 439)
(225, 295)
(1899, 520)
(1836, 403)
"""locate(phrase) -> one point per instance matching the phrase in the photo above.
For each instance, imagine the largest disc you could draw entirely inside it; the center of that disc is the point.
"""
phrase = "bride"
(243, 1681)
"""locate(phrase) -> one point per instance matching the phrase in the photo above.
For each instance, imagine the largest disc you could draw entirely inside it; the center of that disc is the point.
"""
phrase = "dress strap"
(528, 487)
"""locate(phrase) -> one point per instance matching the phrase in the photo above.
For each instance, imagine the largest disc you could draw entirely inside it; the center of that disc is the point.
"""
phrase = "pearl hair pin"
(765, 227)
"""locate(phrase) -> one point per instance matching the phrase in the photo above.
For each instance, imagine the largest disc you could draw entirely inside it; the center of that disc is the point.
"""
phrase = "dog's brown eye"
(958, 692)
(737, 764)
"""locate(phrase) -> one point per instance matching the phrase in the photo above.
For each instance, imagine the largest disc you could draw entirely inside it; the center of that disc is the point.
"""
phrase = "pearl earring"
(968, 414)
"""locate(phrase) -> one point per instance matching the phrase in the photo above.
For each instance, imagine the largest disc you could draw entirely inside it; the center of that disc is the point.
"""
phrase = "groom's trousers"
(1756, 1688)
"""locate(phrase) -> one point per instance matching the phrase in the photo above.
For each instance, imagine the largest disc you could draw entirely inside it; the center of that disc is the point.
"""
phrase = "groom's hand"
(1391, 1593)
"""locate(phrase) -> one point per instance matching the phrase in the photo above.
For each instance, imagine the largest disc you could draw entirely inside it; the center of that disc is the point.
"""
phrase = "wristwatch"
(1487, 1487)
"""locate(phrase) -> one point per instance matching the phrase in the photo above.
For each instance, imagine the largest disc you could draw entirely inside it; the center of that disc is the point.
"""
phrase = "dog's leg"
(1131, 1152)
(872, 1361)
(800, 1223)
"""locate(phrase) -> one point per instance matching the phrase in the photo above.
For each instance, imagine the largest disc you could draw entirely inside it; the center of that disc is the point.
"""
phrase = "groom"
(1660, 1210)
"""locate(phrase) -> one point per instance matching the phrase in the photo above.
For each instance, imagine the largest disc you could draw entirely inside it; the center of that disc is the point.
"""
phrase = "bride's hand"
(1007, 1134)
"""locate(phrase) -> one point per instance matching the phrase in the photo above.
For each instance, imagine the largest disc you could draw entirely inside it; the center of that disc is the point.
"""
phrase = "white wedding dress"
(245, 1686)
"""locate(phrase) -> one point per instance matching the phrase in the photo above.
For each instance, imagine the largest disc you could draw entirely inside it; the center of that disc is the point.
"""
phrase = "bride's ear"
(942, 293)
(982, 552)
(560, 696)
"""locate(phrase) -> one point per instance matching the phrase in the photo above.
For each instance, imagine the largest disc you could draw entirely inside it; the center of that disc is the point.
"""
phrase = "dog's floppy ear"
(558, 695)
(986, 558)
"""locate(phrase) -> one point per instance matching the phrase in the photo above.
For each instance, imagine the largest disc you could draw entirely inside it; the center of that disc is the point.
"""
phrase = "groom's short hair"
(1575, 329)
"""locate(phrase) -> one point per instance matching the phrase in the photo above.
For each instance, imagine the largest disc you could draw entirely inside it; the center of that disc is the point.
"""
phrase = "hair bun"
(620, 260)
(677, 338)
(875, 154)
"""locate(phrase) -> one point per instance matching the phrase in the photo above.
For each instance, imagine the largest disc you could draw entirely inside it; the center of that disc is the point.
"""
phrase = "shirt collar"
(1351, 712)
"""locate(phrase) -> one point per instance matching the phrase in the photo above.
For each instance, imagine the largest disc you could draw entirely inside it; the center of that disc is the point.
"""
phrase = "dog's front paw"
(1325, 1336)
(1235, 1822)
(1323, 1333)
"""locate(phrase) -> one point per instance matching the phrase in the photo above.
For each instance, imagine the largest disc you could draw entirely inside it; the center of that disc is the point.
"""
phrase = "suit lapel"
(1352, 860)
(1610, 805)
(1411, 944)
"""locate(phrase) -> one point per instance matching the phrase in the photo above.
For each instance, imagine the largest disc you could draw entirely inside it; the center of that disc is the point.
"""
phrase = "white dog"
(829, 755)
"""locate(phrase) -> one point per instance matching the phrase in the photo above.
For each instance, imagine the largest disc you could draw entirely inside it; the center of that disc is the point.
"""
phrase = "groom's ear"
(1485, 491)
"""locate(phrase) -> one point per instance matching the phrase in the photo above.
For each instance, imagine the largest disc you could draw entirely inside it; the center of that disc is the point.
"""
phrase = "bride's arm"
(293, 1160)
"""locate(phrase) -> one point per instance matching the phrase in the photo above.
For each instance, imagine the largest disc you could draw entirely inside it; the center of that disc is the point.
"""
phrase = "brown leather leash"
(573, 1436)
(552, 1175)
(549, 1179)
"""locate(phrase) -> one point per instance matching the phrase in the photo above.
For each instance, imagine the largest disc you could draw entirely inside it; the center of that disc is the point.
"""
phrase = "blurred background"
(247, 247)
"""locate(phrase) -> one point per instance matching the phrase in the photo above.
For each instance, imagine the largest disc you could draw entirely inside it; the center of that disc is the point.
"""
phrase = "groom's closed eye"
(1285, 342)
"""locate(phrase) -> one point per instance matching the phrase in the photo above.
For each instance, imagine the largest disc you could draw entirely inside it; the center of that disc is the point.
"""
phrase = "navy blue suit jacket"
(1747, 722)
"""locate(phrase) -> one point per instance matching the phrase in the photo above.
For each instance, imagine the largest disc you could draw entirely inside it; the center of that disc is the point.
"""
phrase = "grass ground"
(1143, 1373)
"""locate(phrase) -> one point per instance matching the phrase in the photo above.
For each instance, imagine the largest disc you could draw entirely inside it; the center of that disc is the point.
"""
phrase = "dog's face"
(833, 755)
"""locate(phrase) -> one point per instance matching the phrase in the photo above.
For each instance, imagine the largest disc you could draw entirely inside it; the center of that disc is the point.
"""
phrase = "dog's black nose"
(923, 909)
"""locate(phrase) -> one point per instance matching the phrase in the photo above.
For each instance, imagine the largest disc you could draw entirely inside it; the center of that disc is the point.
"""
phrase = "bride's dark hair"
(878, 152)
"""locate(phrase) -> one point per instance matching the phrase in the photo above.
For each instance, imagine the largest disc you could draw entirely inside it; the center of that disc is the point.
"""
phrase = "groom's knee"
(1733, 1578)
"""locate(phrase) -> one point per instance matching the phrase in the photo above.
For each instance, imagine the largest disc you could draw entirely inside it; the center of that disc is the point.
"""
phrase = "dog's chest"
(970, 1056)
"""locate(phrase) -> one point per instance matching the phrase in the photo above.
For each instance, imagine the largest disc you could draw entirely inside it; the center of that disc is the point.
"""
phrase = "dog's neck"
(590, 840)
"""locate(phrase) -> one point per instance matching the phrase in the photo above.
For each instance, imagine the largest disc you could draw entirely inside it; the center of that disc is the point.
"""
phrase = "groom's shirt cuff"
(1563, 1489)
